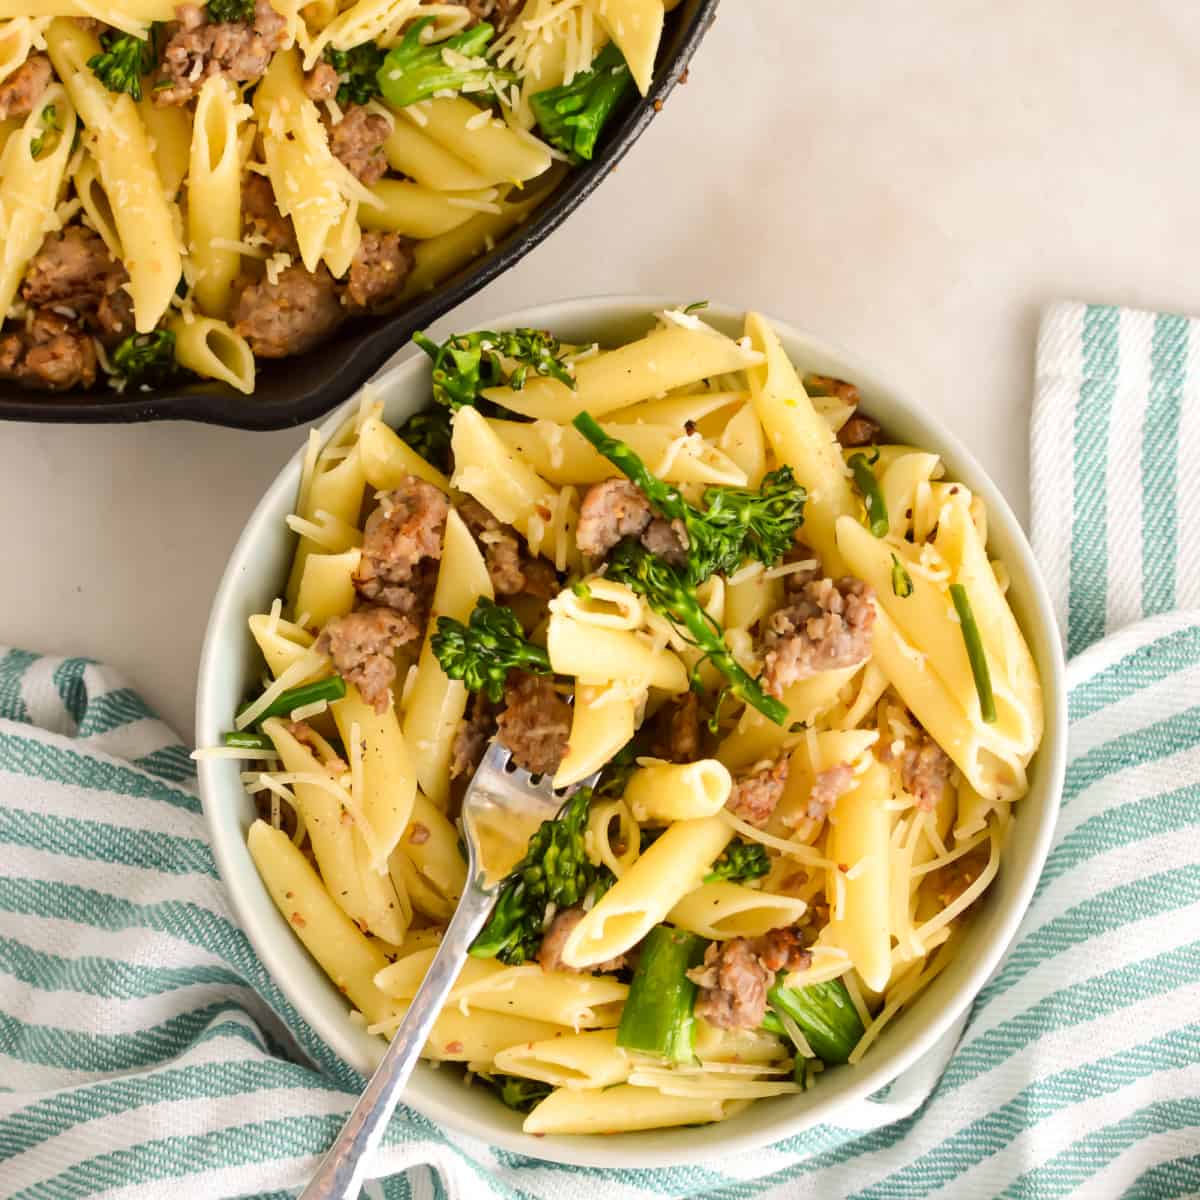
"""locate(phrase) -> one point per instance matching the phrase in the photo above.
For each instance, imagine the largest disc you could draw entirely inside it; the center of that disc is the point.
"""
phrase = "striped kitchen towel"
(145, 1052)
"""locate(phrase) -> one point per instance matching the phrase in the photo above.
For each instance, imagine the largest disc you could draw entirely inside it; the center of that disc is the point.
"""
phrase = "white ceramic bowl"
(230, 663)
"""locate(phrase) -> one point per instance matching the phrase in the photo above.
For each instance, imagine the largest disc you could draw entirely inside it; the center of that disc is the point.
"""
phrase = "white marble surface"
(913, 181)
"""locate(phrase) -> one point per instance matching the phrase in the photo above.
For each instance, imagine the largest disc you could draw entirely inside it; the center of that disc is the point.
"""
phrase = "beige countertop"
(911, 181)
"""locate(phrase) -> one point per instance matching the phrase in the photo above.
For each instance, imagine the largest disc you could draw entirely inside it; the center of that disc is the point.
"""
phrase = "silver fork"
(502, 809)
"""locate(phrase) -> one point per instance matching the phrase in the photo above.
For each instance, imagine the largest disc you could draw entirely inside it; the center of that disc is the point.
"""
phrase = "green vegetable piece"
(902, 584)
(555, 870)
(230, 10)
(572, 116)
(358, 71)
(245, 740)
(520, 1094)
(465, 364)
(428, 433)
(671, 595)
(735, 524)
(741, 860)
(825, 1014)
(122, 61)
(872, 493)
(413, 71)
(658, 1014)
(976, 654)
(333, 688)
(146, 359)
(482, 652)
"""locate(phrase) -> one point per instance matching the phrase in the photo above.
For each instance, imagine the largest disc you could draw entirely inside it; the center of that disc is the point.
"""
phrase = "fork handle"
(340, 1174)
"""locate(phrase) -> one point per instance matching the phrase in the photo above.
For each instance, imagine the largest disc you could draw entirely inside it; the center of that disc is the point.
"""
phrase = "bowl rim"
(373, 341)
(281, 956)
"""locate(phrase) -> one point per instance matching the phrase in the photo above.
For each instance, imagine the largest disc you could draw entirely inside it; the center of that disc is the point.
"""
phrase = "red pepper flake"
(685, 76)
(544, 512)
(843, 867)
(454, 1047)
(362, 925)
(288, 895)
(658, 106)
(298, 920)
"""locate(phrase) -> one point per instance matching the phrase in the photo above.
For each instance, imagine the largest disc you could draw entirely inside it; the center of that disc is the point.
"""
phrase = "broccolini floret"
(554, 874)
(519, 1094)
(465, 364)
(482, 652)
(122, 61)
(146, 359)
(735, 524)
(428, 433)
(230, 10)
(358, 70)
(572, 116)
(414, 71)
(740, 861)
(671, 594)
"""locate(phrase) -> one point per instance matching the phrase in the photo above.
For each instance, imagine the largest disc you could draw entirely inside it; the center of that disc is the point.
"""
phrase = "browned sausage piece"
(290, 315)
(827, 626)
(755, 796)
(402, 535)
(357, 142)
(363, 645)
(534, 723)
(736, 975)
(377, 271)
(21, 91)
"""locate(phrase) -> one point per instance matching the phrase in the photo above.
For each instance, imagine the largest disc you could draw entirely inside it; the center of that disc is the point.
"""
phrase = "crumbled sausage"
(472, 736)
(402, 536)
(53, 353)
(755, 796)
(290, 315)
(828, 625)
(498, 13)
(363, 645)
(555, 938)
(262, 217)
(925, 771)
(356, 141)
(736, 975)
(677, 729)
(859, 430)
(534, 723)
(321, 83)
(794, 581)
(24, 87)
(377, 271)
(828, 786)
(616, 509)
(827, 385)
(198, 48)
(511, 568)
(71, 269)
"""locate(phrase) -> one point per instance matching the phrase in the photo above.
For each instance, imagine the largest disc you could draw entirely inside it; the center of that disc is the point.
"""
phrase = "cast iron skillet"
(291, 391)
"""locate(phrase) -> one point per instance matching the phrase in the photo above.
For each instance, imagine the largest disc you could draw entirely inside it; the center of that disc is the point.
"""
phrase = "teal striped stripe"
(1145, 666)
(34, 759)
(171, 762)
(72, 689)
(1134, 748)
(1166, 1180)
(1100, 913)
(13, 667)
(1143, 818)
(78, 1050)
(58, 1113)
(1160, 451)
(110, 711)
(1089, 537)
(99, 841)
(1071, 1168)
(189, 923)
(108, 978)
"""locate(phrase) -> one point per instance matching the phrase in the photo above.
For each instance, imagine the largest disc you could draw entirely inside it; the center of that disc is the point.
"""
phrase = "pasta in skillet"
(187, 188)
(809, 702)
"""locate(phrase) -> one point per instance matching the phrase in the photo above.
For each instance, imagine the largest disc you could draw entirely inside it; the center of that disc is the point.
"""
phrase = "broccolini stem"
(572, 116)
(872, 493)
(657, 1017)
(247, 741)
(333, 688)
(902, 584)
(413, 71)
(671, 596)
(976, 654)
(826, 1016)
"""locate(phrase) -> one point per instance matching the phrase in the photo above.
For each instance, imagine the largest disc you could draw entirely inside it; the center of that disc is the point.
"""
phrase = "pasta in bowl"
(827, 724)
